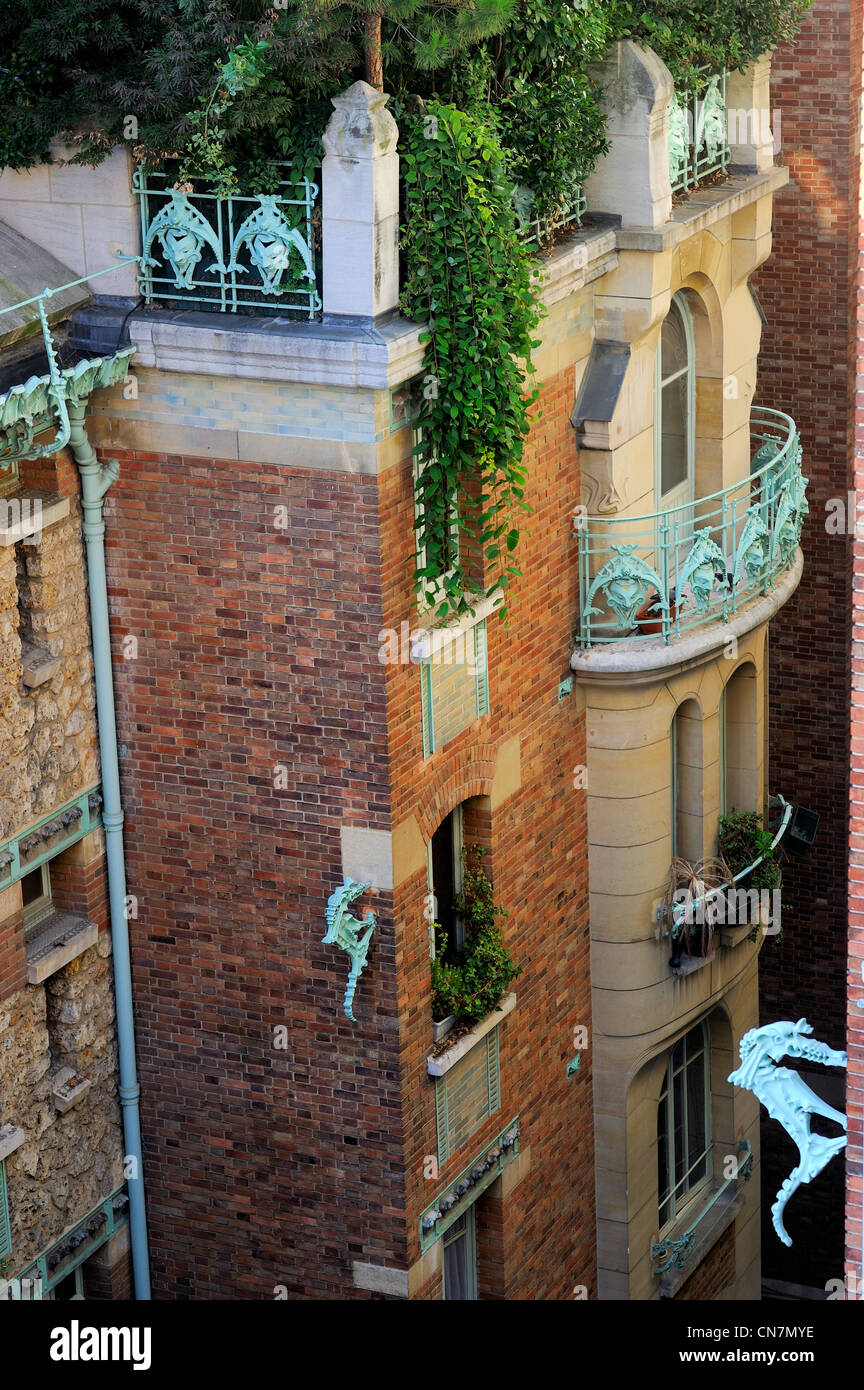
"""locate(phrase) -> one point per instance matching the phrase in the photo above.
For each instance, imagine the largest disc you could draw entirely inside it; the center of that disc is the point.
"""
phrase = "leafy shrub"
(471, 989)
(742, 839)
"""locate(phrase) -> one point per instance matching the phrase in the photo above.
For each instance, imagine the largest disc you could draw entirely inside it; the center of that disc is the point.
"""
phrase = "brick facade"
(258, 648)
(807, 366)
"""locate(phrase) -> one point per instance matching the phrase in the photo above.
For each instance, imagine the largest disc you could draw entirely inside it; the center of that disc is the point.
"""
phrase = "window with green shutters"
(454, 686)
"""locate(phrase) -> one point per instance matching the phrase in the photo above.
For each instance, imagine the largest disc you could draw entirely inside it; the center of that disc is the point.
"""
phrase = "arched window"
(686, 750)
(684, 1124)
(739, 743)
(675, 410)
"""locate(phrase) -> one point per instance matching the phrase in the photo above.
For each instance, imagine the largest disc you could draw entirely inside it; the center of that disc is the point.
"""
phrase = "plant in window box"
(684, 901)
(470, 989)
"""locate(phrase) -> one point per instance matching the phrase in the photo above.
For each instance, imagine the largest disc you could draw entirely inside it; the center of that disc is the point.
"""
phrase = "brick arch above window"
(458, 776)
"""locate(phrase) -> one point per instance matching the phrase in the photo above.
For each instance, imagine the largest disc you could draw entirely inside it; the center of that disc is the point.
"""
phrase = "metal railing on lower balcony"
(663, 574)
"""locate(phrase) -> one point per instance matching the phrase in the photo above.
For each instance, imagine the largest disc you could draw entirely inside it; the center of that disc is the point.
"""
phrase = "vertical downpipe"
(95, 482)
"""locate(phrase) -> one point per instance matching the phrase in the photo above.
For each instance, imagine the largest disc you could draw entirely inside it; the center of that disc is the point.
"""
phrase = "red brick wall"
(544, 1238)
(714, 1274)
(806, 368)
(256, 647)
(854, 1268)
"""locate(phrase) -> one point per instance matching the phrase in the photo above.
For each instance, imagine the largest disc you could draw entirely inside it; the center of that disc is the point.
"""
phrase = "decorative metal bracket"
(270, 238)
(183, 234)
(678, 1250)
(788, 1098)
(347, 932)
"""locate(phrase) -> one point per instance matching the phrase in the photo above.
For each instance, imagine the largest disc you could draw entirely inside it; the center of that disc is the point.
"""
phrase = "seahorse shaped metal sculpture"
(270, 239)
(183, 233)
(348, 933)
(788, 1098)
(625, 580)
(699, 569)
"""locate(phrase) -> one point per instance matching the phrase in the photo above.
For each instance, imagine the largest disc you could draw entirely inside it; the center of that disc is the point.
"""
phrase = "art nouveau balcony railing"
(663, 574)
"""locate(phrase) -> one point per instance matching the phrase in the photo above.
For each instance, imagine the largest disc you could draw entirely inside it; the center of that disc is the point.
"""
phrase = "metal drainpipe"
(95, 482)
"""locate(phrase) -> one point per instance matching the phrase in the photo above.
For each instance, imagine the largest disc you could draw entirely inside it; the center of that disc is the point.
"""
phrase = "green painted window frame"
(721, 719)
(37, 911)
(5, 1227)
(481, 688)
(442, 1107)
(673, 788)
(681, 1202)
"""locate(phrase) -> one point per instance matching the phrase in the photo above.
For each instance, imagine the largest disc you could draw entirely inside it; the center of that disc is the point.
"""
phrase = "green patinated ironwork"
(696, 907)
(64, 826)
(196, 244)
(675, 1252)
(787, 1098)
(542, 229)
(474, 1179)
(696, 563)
(349, 933)
(573, 1065)
(697, 136)
(5, 1229)
(78, 1244)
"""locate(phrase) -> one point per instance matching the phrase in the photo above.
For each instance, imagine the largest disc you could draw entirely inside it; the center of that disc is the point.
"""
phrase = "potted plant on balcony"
(471, 988)
(684, 900)
(743, 841)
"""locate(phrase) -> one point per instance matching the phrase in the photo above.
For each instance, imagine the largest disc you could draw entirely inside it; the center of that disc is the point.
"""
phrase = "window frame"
(469, 1235)
(679, 301)
(457, 822)
(42, 907)
(682, 1204)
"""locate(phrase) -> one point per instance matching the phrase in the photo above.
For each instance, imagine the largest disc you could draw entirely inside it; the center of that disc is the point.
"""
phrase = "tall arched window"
(686, 741)
(739, 743)
(675, 410)
(684, 1124)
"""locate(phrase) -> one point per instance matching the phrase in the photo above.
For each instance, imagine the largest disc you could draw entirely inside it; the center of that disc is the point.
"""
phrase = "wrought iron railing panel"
(698, 144)
(227, 254)
(667, 573)
(541, 230)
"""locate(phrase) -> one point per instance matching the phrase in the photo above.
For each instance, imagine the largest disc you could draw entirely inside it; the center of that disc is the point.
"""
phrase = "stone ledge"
(703, 208)
(11, 1138)
(68, 1089)
(586, 255)
(345, 352)
(708, 1232)
(381, 1279)
(37, 665)
(30, 521)
(61, 938)
(440, 1065)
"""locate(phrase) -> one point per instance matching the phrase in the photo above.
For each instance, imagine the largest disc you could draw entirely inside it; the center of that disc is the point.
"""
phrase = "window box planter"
(441, 1029)
(442, 1063)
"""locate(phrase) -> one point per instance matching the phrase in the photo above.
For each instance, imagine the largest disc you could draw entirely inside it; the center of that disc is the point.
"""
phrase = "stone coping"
(637, 660)
(61, 937)
(440, 1065)
(11, 1138)
(703, 208)
(20, 520)
(427, 641)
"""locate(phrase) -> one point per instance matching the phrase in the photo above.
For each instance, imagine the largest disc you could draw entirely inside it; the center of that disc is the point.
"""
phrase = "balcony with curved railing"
(659, 576)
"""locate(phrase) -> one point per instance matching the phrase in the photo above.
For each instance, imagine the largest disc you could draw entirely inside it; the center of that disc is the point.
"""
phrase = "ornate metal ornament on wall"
(787, 1098)
(349, 934)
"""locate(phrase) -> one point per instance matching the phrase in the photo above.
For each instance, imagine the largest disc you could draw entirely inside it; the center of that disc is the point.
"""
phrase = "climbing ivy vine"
(469, 280)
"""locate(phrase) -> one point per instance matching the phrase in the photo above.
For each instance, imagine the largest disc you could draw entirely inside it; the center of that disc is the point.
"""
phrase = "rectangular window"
(460, 1258)
(454, 687)
(684, 1124)
(445, 884)
(36, 896)
(467, 1094)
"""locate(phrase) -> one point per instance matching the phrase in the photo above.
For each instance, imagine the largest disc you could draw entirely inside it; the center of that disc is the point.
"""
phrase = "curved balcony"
(664, 574)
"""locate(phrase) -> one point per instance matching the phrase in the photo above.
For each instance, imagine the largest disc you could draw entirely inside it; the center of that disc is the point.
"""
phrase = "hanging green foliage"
(469, 279)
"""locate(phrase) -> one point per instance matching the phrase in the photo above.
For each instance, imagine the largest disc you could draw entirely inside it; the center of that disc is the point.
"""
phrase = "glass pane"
(673, 435)
(31, 887)
(673, 343)
(696, 1118)
(678, 1134)
(663, 1161)
(457, 1262)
